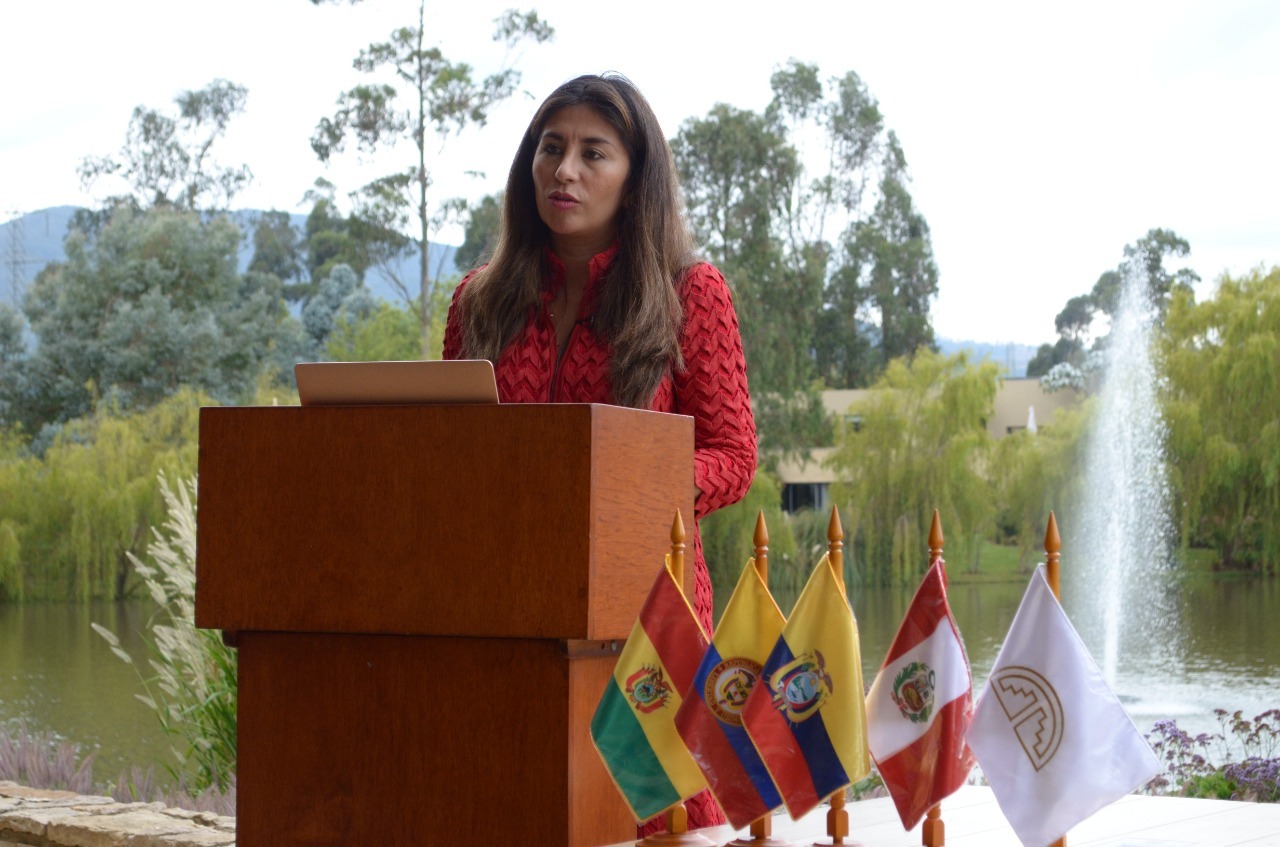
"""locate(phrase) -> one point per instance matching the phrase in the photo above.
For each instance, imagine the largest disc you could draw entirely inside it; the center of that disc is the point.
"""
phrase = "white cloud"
(1041, 139)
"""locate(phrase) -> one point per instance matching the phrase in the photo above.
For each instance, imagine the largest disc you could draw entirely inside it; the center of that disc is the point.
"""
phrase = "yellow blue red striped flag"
(634, 725)
(710, 720)
(807, 715)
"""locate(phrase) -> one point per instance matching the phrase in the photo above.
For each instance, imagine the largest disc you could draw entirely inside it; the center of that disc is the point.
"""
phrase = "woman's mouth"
(562, 201)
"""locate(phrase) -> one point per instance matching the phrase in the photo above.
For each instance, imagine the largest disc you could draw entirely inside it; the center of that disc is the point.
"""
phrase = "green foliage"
(193, 687)
(387, 334)
(1222, 361)
(727, 538)
(1034, 474)
(922, 445)
(480, 235)
(165, 160)
(805, 208)
(74, 515)
(154, 302)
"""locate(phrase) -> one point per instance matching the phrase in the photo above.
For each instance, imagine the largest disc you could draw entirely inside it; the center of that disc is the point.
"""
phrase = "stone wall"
(35, 818)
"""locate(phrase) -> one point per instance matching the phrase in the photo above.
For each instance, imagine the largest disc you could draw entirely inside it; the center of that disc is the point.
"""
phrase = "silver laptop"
(455, 381)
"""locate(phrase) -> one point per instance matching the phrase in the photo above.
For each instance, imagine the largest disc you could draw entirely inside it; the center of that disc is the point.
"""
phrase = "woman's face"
(580, 174)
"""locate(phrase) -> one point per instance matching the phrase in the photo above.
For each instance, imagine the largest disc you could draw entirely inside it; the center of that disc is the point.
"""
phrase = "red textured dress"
(712, 388)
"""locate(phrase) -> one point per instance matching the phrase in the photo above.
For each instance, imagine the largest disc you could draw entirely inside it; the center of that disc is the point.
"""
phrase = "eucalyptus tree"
(805, 207)
(167, 160)
(420, 94)
(153, 303)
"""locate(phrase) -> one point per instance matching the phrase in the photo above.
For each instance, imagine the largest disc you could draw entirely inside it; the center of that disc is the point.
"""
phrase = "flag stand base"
(676, 839)
(677, 834)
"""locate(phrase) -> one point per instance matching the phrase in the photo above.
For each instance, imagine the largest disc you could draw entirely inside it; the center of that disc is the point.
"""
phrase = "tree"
(277, 248)
(480, 234)
(922, 444)
(167, 161)
(153, 303)
(1146, 258)
(892, 260)
(1222, 362)
(443, 97)
(805, 208)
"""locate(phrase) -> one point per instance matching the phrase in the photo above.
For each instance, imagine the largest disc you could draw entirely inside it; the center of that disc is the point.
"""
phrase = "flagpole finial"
(1052, 541)
(761, 541)
(835, 547)
(677, 550)
(935, 537)
(1052, 555)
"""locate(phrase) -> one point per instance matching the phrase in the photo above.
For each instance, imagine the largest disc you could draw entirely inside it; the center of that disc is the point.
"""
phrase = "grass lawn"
(999, 563)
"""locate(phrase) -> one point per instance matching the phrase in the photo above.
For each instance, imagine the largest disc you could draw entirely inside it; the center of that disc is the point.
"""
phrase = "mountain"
(1013, 357)
(31, 241)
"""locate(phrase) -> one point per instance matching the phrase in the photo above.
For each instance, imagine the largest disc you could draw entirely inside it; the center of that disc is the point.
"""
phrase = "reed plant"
(42, 760)
(191, 684)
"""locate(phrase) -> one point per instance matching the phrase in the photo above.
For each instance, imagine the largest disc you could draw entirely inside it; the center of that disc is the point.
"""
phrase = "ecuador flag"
(634, 725)
(710, 719)
(807, 717)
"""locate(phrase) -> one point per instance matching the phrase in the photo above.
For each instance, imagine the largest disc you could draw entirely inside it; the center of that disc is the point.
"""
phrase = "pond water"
(59, 676)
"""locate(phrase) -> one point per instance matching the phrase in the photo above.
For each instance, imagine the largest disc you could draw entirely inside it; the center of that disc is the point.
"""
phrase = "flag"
(710, 719)
(807, 717)
(634, 726)
(1052, 739)
(920, 705)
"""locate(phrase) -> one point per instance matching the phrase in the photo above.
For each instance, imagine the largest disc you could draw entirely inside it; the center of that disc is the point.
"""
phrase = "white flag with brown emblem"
(1050, 736)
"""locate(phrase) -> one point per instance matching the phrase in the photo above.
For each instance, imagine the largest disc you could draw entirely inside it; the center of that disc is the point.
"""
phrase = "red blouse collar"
(596, 269)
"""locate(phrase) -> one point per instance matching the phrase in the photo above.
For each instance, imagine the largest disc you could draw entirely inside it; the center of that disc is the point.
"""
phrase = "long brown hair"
(638, 310)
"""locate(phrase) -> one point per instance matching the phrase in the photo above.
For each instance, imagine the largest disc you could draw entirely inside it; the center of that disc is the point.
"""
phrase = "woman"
(593, 295)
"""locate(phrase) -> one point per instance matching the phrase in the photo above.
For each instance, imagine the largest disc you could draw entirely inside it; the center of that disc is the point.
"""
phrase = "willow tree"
(75, 514)
(1033, 474)
(920, 443)
(1222, 359)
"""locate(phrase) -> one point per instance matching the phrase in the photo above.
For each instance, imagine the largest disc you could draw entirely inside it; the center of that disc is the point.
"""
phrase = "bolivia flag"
(920, 705)
(807, 716)
(634, 725)
(710, 719)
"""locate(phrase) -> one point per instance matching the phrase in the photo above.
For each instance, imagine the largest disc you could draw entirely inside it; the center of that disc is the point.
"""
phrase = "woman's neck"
(576, 256)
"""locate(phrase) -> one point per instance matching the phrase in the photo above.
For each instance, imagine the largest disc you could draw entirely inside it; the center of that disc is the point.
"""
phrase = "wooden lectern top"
(523, 520)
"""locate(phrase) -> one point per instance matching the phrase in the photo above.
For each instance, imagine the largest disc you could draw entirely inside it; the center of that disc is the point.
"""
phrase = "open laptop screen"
(396, 383)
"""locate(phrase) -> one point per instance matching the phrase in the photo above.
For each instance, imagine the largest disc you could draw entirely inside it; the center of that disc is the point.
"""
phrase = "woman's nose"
(568, 169)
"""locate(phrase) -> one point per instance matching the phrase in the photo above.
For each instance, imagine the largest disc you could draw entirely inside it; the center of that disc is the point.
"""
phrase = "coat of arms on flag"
(807, 717)
(634, 725)
(710, 719)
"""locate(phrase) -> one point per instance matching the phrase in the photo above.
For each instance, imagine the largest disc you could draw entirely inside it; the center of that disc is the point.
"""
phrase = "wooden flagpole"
(761, 827)
(934, 831)
(838, 816)
(1052, 554)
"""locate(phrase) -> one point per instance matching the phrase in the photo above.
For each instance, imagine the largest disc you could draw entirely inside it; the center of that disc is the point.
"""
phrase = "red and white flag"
(920, 705)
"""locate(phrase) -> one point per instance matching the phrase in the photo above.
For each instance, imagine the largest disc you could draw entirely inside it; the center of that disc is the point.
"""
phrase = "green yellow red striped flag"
(634, 725)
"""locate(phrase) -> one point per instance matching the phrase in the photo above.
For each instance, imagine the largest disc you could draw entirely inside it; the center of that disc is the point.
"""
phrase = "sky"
(1040, 138)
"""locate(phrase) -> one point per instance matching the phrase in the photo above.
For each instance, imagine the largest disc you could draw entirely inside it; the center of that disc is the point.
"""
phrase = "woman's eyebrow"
(591, 139)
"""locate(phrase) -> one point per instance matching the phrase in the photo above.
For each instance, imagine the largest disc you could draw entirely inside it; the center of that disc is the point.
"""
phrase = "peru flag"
(920, 705)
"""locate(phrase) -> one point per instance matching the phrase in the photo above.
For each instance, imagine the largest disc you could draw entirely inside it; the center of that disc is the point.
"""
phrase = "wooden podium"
(427, 602)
